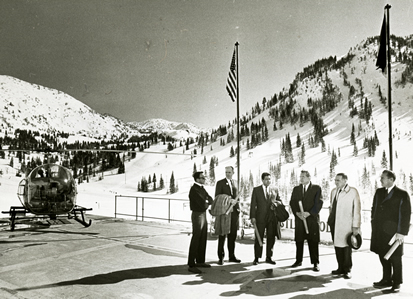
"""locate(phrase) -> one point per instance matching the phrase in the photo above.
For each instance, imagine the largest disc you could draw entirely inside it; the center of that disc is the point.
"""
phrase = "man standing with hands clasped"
(227, 186)
(306, 204)
(344, 219)
(263, 202)
(390, 216)
(199, 200)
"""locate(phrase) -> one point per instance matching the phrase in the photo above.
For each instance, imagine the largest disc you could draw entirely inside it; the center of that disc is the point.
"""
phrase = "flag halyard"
(232, 79)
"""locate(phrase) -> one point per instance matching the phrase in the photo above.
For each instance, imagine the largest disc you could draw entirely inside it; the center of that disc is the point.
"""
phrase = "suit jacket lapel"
(388, 195)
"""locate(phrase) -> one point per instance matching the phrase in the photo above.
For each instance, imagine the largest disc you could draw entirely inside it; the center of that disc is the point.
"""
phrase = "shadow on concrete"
(261, 282)
(118, 276)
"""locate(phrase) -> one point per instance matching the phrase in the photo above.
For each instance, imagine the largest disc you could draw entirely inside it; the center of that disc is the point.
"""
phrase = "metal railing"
(157, 208)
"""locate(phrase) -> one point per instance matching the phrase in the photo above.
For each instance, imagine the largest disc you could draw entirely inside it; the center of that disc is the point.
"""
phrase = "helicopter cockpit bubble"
(48, 189)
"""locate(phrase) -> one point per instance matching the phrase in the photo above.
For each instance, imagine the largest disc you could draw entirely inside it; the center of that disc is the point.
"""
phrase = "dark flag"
(232, 80)
(381, 57)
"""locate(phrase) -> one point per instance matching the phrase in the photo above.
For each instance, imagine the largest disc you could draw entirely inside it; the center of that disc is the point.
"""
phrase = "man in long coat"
(263, 202)
(310, 197)
(390, 216)
(344, 219)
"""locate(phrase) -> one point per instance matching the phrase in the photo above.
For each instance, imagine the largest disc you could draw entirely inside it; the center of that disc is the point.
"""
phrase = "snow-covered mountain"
(33, 107)
(177, 130)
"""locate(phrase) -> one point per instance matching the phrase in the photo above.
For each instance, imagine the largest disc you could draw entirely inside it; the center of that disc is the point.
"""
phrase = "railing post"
(116, 201)
(169, 210)
(136, 216)
(143, 208)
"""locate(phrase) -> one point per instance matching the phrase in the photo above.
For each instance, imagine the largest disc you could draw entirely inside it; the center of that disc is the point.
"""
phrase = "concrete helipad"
(129, 259)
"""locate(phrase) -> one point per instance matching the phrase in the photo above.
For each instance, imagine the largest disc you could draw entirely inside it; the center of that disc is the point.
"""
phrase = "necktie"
(266, 193)
(387, 192)
(231, 187)
(304, 192)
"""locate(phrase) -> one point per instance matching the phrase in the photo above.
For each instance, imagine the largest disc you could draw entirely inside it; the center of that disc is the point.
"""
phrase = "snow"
(100, 194)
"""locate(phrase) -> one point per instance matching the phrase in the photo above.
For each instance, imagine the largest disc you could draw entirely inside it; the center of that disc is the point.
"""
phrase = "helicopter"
(48, 191)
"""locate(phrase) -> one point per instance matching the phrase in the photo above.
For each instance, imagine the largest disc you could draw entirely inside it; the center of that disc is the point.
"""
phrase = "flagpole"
(389, 86)
(238, 135)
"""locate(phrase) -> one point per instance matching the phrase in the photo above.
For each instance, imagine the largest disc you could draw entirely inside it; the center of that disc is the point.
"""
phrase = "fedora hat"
(354, 241)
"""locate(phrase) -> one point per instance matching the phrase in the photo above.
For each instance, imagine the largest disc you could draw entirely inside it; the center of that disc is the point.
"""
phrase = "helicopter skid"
(20, 213)
(81, 211)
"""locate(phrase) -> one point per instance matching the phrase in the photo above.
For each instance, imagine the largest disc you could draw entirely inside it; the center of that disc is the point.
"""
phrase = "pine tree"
(154, 182)
(365, 178)
(212, 171)
(161, 183)
(323, 145)
(383, 162)
(172, 184)
(333, 164)
(355, 150)
(352, 136)
(204, 161)
(298, 140)
(194, 168)
(232, 153)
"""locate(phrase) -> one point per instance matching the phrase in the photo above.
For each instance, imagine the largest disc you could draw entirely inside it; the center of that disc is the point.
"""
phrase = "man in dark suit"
(310, 197)
(263, 202)
(390, 216)
(227, 186)
(199, 200)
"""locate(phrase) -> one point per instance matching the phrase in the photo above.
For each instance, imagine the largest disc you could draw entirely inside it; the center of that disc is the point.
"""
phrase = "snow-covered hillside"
(99, 194)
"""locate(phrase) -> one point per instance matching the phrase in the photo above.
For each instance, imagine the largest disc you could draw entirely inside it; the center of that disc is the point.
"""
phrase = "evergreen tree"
(323, 145)
(232, 153)
(172, 184)
(212, 171)
(161, 183)
(154, 182)
(365, 178)
(194, 168)
(301, 160)
(352, 136)
(333, 164)
(355, 150)
(298, 140)
(383, 162)
(204, 161)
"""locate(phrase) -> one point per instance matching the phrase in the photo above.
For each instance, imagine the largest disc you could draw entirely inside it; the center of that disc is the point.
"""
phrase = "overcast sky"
(142, 59)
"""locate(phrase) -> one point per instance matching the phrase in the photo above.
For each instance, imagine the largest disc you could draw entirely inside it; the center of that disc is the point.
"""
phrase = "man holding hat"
(344, 221)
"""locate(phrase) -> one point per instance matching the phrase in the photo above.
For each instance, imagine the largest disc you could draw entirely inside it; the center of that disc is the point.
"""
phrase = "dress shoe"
(234, 260)
(270, 261)
(220, 262)
(347, 275)
(296, 264)
(395, 288)
(382, 283)
(337, 272)
(316, 268)
(194, 270)
(203, 265)
(255, 262)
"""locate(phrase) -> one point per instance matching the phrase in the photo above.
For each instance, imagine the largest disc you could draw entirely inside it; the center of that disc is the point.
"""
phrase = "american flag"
(232, 80)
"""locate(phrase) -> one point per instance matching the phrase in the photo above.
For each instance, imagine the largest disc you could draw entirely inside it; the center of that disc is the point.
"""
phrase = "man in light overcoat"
(344, 220)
